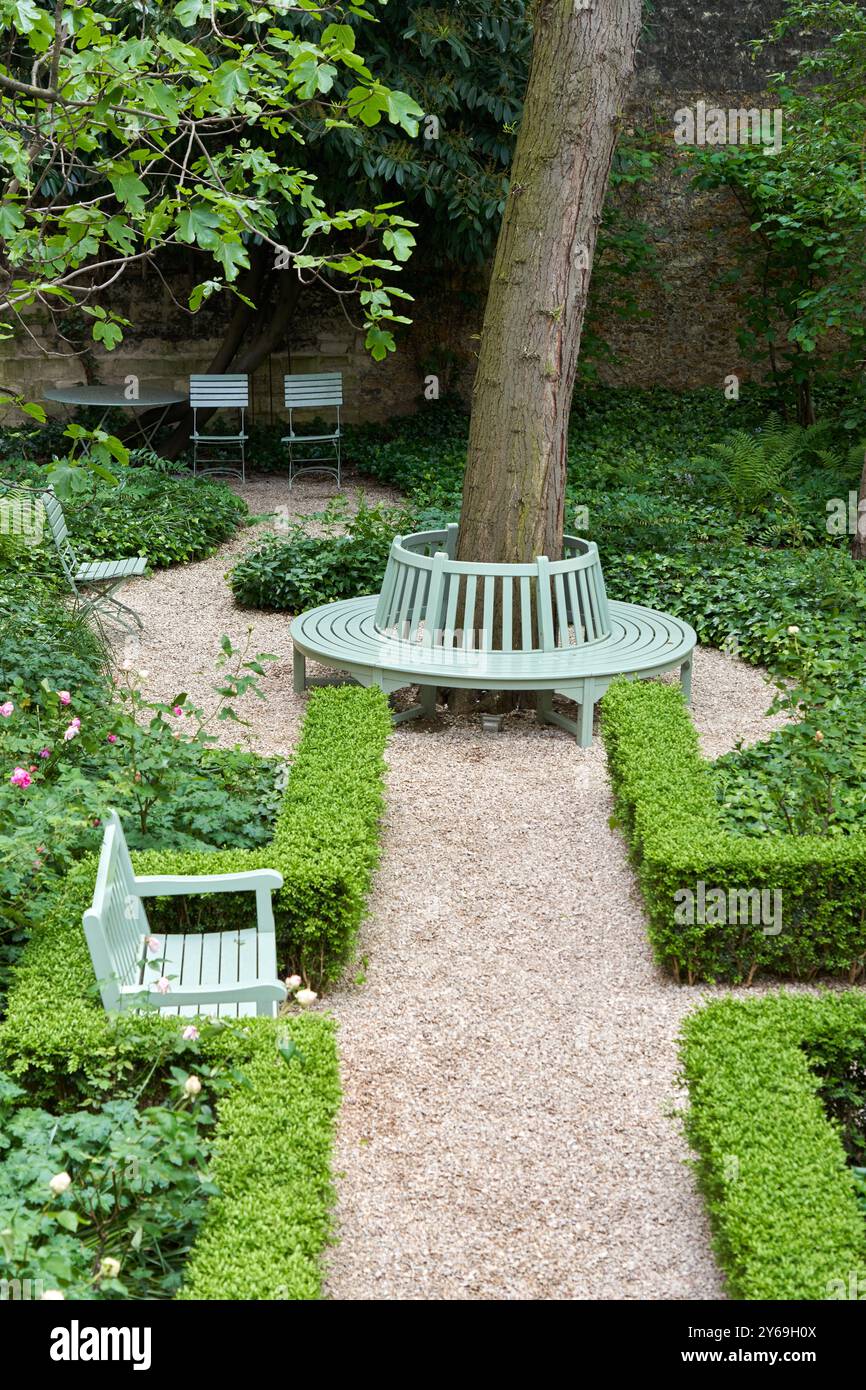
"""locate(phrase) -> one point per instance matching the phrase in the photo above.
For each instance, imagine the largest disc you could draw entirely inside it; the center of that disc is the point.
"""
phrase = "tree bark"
(858, 540)
(514, 491)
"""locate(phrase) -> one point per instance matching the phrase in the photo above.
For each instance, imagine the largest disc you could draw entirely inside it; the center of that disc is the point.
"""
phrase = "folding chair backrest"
(116, 923)
(60, 534)
(215, 392)
(310, 389)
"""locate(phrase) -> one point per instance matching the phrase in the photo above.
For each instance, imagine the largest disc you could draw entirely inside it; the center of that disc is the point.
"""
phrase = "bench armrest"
(159, 885)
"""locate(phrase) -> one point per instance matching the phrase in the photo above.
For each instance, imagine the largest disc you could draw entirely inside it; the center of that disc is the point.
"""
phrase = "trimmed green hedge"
(665, 804)
(263, 1236)
(770, 1163)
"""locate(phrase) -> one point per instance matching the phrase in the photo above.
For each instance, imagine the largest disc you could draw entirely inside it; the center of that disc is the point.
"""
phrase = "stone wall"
(691, 50)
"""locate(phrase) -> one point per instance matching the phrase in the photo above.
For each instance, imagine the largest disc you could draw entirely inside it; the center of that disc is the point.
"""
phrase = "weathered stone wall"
(692, 49)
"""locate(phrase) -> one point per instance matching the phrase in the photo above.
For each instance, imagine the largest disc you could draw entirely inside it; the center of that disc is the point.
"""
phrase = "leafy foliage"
(169, 519)
(139, 1182)
(804, 203)
(303, 570)
(95, 179)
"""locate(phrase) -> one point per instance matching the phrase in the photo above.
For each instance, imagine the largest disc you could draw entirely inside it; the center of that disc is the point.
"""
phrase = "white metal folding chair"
(103, 577)
(230, 391)
(314, 391)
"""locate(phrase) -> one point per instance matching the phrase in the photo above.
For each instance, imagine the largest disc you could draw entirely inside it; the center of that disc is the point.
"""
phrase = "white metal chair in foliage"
(100, 577)
(314, 391)
(227, 392)
(228, 973)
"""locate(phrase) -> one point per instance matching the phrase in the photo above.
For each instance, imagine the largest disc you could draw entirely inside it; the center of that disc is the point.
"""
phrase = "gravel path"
(509, 1060)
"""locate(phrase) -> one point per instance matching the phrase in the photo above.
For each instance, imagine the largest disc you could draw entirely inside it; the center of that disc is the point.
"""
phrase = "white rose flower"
(110, 1267)
(59, 1183)
(305, 997)
(192, 1086)
(293, 982)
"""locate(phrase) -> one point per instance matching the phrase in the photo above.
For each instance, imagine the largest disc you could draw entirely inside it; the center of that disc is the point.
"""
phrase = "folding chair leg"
(104, 600)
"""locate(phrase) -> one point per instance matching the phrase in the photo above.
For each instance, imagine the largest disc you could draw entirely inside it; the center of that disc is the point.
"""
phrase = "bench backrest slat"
(60, 535)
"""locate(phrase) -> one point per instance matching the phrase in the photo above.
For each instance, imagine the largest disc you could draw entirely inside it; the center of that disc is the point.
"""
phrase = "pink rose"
(152, 943)
(64, 697)
(45, 752)
(6, 709)
(190, 1034)
(112, 738)
(70, 733)
(163, 985)
(177, 712)
(20, 777)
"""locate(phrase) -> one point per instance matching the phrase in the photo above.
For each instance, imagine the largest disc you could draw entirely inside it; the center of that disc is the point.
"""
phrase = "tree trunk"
(514, 492)
(858, 540)
(238, 351)
(805, 403)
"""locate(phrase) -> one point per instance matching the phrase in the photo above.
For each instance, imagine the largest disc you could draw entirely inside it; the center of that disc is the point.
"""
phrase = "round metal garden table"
(107, 397)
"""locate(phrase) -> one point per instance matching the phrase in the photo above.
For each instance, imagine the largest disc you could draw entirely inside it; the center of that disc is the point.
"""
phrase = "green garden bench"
(228, 973)
(103, 577)
(547, 626)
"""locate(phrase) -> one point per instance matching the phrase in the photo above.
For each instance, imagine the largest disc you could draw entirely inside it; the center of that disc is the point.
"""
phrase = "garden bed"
(264, 1228)
(666, 806)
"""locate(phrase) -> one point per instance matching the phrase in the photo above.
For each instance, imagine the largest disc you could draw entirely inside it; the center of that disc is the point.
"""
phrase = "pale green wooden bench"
(228, 973)
(103, 577)
(546, 626)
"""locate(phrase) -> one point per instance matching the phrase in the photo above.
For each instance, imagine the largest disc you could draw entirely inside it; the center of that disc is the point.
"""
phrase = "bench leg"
(587, 708)
(299, 672)
(686, 680)
(543, 702)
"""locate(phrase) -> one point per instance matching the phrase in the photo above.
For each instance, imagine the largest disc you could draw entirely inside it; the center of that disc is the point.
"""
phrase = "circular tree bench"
(547, 626)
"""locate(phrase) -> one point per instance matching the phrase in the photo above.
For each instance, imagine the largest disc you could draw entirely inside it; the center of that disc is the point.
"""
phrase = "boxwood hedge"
(666, 806)
(770, 1162)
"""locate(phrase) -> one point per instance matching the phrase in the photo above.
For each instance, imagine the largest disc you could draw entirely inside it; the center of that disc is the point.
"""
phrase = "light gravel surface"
(509, 1060)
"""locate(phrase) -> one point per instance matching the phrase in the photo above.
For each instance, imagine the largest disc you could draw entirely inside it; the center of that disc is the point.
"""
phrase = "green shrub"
(666, 806)
(301, 571)
(169, 519)
(43, 638)
(771, 1164)
(264, 1233)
